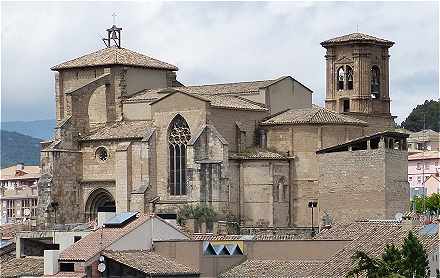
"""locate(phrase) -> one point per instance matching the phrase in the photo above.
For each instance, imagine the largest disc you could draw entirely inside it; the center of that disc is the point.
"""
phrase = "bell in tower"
(357, 78)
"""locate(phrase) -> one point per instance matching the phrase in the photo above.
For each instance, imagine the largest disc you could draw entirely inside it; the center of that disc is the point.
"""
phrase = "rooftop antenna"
(357, 28)
(113, 35)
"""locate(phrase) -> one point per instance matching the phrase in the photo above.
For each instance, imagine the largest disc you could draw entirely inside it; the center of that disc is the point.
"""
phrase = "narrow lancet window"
(178, 137)
(375, 82)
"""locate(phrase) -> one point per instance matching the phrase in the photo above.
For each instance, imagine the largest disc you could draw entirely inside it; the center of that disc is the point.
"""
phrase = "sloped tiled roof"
(357, 37)
(425, 155)
(208, 237)
(120, 130)
(149, 262)
(115, 56)
(232, 102)
(29, 170)
(90, 245)
(370, 237)
(257, 154)
(18, 267)
(424, 135)
(312, 115)
(272, 269)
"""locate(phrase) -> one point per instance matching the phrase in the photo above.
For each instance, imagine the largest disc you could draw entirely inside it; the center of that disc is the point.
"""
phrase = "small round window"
(101, 153)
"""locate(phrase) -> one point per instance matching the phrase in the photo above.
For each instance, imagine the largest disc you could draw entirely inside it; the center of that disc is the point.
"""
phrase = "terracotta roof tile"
(90, 245)
(425, 155)
(149, 263)
(211, 89)
(120, 130)
(115, 56)
(370, 237)
(18, 267)
(312, 115)
(356, 37)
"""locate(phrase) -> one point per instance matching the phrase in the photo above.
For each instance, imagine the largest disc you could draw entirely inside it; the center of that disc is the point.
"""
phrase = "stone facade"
(357, 71)
(364, 179)
(130, 137)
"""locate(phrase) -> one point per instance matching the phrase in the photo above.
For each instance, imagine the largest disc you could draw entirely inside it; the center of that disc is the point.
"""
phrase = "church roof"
(312, 115)
(357, 37)
(211, 89)
(115, 56)
(120, 130)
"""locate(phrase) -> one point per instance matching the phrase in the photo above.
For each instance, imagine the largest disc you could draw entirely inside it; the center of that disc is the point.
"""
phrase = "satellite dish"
(101, 267)
(101, 259)
(398, 216)
(27, 212)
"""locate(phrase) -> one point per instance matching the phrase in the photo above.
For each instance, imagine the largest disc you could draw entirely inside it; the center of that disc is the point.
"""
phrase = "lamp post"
(313, 204)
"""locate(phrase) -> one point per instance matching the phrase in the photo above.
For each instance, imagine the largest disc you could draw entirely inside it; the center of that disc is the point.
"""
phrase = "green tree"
(414, 258)
(430, 110)
(410, 261)
(430, 204)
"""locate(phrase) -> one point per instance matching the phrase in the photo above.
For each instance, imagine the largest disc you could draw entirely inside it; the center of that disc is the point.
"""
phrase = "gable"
(178, 101)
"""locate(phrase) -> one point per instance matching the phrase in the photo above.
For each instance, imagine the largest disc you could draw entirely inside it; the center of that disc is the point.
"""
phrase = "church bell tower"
(357, 78)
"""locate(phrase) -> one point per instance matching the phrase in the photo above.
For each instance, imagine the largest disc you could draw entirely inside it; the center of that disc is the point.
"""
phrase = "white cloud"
(215, 42)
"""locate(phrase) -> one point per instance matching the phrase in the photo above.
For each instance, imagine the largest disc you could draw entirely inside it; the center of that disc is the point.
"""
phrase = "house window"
(436, 163)
(375, 82)
(25, 207)
(410, 178)
(419, 179)
(349, 78)
(33, 207)
(426, 165)
(419, 166)
(10, 208)
(340, 78)
(178, 136)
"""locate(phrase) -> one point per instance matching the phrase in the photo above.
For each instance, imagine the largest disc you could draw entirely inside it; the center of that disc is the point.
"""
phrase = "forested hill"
(16, 147)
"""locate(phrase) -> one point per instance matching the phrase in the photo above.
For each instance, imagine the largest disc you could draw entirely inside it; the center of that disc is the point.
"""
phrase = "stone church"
(131, 137)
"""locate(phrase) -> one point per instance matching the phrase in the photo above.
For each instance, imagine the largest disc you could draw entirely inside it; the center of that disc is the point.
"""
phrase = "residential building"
(421, 167)
(427, 140)
(18, 193)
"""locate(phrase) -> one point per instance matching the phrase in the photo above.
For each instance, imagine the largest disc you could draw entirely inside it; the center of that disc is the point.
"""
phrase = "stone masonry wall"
(352, 185)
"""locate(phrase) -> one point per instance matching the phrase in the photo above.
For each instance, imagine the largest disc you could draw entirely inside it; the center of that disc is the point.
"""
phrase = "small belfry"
(357, 76)
(113, 35)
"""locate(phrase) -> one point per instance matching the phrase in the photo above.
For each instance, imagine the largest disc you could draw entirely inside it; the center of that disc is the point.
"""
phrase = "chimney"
(103, 216)
(19, 169)
(51, 266)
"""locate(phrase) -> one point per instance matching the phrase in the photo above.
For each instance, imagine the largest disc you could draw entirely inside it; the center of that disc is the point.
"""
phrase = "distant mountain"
(38, 129)
(16, 147)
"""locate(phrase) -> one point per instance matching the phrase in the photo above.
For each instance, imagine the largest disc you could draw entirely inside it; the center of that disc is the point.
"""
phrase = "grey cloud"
(214, 42)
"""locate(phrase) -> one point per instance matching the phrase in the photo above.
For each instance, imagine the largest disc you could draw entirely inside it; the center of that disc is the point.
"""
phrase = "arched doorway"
(99, 200)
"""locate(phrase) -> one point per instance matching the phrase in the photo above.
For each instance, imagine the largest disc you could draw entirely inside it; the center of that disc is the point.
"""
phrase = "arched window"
(340, 78)
(178, 136)
(349, 77)
(375, 82)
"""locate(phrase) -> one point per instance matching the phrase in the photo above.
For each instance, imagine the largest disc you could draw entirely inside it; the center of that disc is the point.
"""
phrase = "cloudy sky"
(213, 42)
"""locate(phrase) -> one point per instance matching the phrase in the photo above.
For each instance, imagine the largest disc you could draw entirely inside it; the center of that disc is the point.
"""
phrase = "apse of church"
(131, 137)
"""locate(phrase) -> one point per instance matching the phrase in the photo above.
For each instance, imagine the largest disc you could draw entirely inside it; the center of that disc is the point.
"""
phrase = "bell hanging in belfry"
(114, 36)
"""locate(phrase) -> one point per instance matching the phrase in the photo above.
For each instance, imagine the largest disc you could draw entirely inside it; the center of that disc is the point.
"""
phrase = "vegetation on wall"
(426, 114)
(409, 261)
(202, 213)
